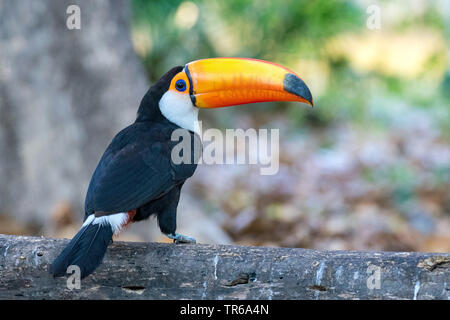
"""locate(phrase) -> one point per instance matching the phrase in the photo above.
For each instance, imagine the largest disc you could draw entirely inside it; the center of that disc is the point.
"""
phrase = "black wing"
(135, 169)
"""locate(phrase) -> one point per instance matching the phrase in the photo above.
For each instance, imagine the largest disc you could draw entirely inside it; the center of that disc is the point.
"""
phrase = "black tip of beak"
(297, 86)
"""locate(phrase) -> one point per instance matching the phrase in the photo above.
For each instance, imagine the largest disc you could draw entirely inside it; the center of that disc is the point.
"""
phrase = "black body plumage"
(86, 250)
(136, 172)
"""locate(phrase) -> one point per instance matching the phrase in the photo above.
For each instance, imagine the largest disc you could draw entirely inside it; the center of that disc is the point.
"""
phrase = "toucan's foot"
(180, 238)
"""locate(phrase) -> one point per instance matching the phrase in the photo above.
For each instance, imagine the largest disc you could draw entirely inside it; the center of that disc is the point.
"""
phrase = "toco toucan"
(136, 176)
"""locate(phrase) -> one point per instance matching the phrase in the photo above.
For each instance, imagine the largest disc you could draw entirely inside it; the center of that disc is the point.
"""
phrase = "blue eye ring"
(180, 85)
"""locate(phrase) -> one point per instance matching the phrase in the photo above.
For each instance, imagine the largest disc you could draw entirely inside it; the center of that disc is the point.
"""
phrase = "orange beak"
(222, 82)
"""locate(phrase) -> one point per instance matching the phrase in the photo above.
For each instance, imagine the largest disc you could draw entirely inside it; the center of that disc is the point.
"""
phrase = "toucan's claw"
(180, 238)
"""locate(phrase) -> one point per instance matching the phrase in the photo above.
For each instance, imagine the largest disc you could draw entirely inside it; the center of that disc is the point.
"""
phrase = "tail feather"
(86, 249)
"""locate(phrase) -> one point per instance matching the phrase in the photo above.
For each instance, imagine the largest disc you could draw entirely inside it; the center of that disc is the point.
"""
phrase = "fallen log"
(134, 270)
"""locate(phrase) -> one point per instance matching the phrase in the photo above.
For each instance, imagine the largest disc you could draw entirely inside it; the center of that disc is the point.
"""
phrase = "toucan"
(136, 177)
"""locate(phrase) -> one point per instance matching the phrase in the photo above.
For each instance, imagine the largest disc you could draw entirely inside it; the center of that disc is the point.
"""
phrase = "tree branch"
(169, 271)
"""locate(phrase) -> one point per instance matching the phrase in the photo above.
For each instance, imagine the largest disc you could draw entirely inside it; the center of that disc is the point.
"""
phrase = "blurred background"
(367, 169)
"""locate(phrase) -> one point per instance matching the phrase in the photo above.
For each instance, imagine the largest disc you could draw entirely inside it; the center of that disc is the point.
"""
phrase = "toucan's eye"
(180, 85)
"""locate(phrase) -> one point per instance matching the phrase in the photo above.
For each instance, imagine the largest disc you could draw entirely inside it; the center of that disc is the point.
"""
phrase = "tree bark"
(179, 271)
(64, 94)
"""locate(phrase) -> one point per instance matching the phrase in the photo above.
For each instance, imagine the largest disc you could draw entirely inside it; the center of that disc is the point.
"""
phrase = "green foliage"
(262, 29)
